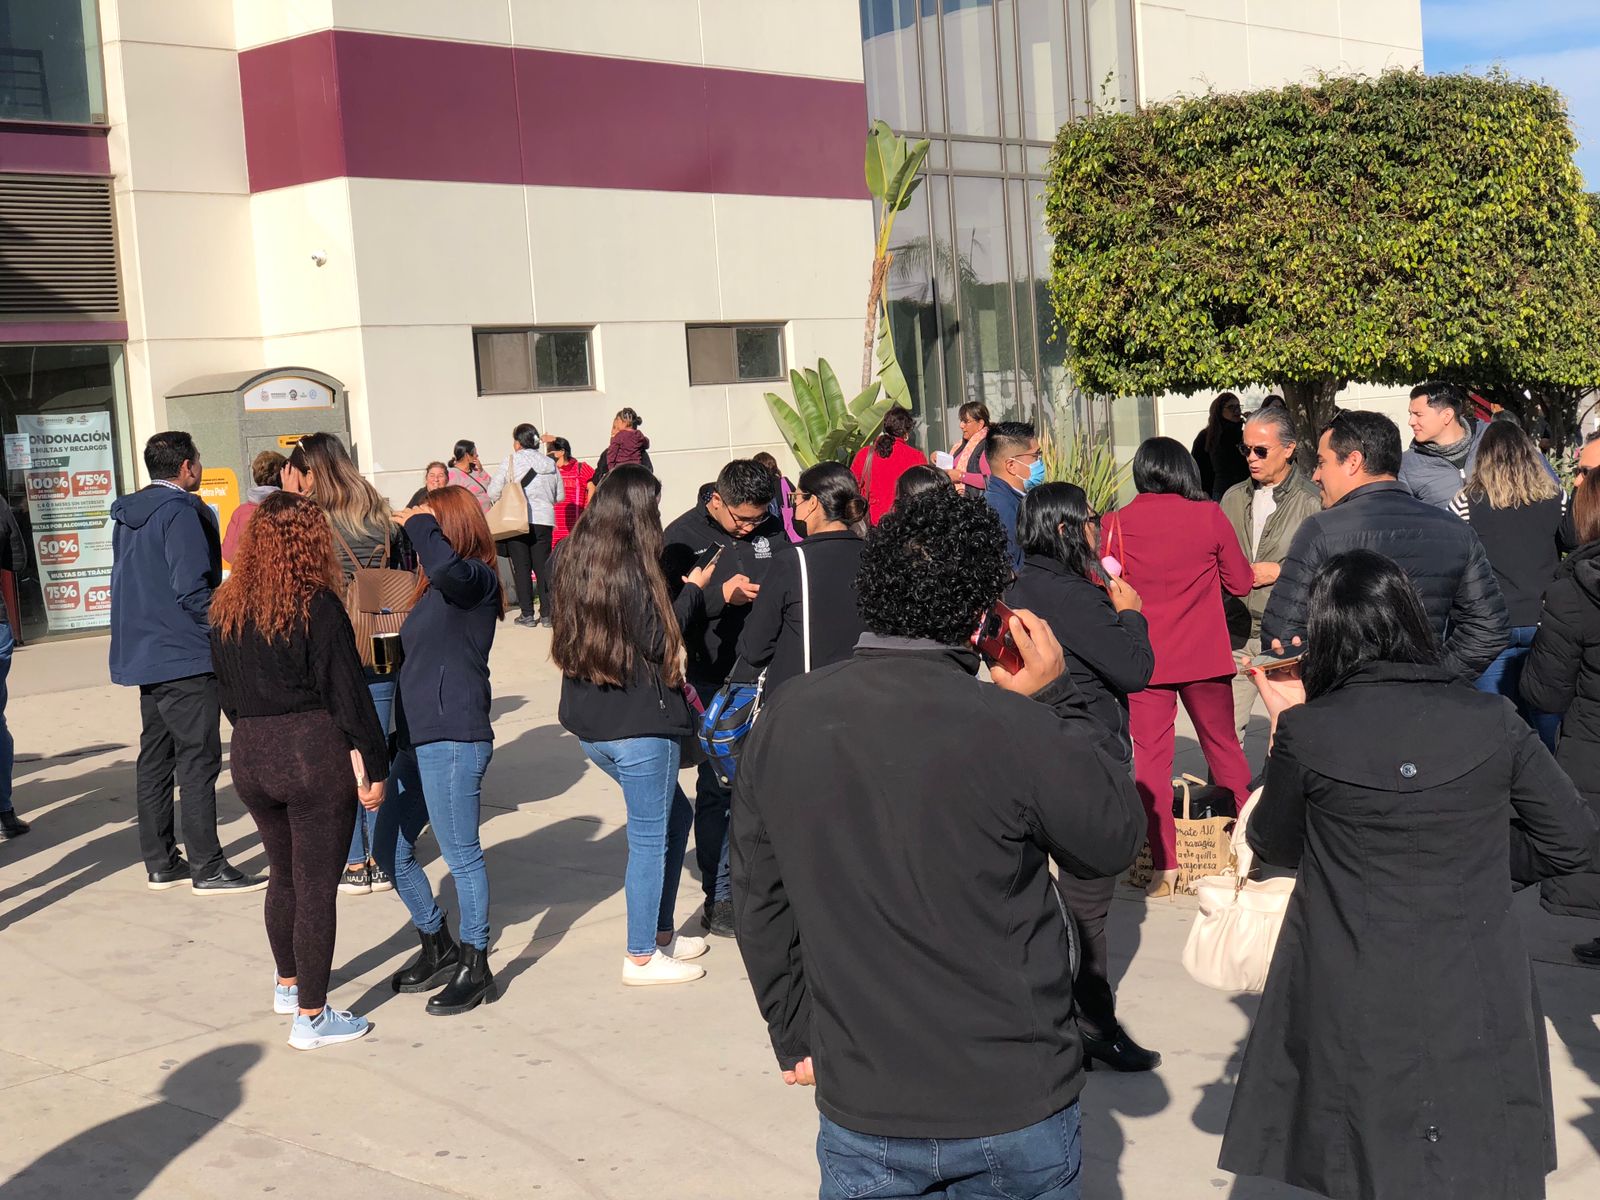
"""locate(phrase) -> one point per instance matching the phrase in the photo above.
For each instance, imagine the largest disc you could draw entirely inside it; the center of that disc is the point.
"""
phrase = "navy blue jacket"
(444, 683)
(1007, 502)
(167, 560)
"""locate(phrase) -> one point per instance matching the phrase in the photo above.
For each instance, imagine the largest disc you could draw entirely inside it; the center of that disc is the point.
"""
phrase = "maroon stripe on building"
(30, 148)
(13, 332)
(374, 106)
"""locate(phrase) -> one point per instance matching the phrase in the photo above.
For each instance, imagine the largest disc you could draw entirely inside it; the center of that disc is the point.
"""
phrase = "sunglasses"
(1257, 451)
(1581, 472)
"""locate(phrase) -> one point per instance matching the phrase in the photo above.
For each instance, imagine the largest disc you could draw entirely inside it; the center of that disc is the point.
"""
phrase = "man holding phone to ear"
(736, 527)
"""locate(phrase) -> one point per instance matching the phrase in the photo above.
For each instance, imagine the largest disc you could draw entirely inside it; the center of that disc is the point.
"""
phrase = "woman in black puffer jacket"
(1562, 675)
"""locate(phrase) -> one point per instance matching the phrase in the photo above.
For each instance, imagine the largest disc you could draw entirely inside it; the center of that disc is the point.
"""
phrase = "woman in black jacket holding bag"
(1108, 655)
(1399, 1050)
(827, 504)
(619, 646)
(1562, 676)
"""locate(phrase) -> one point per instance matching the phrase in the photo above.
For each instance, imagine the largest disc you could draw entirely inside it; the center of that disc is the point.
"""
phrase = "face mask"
(1035, 475)
(799, 524)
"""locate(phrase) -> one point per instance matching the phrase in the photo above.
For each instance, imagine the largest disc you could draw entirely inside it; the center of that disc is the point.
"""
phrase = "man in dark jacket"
(1366, 507)
(736, 522)
(167, 560)
(13, 559)
(1444, 443)
(1015, 458)
(897, 919)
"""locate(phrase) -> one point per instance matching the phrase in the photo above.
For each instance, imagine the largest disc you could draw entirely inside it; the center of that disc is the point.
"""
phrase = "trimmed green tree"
(1382, 230)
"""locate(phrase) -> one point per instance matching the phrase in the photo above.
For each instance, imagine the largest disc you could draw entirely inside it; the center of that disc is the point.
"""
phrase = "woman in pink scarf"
(971, 469)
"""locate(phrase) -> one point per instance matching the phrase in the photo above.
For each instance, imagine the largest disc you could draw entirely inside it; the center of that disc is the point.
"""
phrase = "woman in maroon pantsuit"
(1178, 552)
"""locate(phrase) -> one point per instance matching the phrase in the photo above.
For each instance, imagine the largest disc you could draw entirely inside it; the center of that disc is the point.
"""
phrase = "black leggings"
(1089, 900)
(293, 774)
(530, 555)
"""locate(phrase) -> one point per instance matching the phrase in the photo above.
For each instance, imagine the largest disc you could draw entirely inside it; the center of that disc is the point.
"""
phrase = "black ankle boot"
(433, 966)
(473, 985)
(1120, 1053)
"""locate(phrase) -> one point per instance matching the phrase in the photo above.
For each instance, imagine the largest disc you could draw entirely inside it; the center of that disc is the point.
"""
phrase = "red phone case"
(998, 648)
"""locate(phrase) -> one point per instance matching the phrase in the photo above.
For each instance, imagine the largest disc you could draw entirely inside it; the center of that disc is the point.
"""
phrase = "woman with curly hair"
(306, 740)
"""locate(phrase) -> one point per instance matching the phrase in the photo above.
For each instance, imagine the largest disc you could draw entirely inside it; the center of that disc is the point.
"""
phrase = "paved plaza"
(139, 1055)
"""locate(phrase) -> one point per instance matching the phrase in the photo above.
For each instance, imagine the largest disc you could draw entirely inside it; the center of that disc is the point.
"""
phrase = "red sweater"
(878, 485)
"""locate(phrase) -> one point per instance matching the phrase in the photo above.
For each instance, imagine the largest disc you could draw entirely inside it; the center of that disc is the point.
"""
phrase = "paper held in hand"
(943, 459)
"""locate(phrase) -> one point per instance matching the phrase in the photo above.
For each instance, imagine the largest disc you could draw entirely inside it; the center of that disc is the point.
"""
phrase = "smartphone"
(1111, 567)
(1270, 665)
(708, 557)
(995, 642)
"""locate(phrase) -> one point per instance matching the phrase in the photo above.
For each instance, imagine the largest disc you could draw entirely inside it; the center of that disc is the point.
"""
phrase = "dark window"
(50, 62)
(533, 360)
(735, 353)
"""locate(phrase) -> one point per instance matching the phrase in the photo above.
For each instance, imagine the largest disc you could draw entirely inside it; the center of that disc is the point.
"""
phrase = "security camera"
(319, 257)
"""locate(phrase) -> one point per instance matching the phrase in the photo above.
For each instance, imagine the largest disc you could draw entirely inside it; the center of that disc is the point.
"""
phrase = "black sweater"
(316, 669)
(894, 904)
(772, 635)
(444, 682)
(1523, 548)
(711, 631)
(1108, 653)
(645, 707)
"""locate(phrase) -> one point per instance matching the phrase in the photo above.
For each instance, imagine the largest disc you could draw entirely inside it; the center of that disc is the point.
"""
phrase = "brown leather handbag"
(378, 599)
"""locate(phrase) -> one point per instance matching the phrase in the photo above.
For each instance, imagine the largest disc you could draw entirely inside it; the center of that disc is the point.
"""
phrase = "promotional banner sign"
(71, 482)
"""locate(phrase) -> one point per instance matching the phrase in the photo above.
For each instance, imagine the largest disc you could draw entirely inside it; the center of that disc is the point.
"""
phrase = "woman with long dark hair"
(1399, 1047)
(537, 474)
(306, 741)
(620, 650)
(466, 471)
(879, 464)
(445, 742)
(1514, 506)
(1107, 647)
(363, 536)
(1216, 447)
(1178, 551)
(827, 509)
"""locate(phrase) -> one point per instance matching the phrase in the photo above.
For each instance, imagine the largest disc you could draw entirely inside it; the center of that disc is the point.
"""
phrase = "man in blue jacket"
(167, 561)
(1016, 463)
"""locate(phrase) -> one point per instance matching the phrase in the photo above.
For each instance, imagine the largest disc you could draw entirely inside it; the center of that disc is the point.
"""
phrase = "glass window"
(972, 89)
(63, 413)
(1006, 35)
(1109, 28)
(1043, 58)
(913, 312)
(50, 61)
(932, 67)
(975, 156)
(983, 265)
(735, 353)
(533, 360)
(889, 44)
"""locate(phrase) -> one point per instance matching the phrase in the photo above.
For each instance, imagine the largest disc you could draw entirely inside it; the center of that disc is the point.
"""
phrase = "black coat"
(711, 629)
(1108, 653)
(1439, 552)
(772, 634)
(893, 825)
(1399, 1050)
(1562, 675)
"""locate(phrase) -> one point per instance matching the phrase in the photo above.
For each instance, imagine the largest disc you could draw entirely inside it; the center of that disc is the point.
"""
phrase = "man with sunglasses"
(1266, 511)
(735, 523)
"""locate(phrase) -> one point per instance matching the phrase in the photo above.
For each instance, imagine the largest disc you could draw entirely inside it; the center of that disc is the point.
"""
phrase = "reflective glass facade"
(50, 62)
(989, 82)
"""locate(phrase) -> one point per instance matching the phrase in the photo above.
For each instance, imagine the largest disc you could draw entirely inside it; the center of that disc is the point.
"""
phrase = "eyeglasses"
(745, 522)
(1259, 451)
(799, 497)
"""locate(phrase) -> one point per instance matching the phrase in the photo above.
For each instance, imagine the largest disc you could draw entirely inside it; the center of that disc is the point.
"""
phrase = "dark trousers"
(530, 555)
(712, 808)
(293, 774)
(181, 741)
(1089, 900)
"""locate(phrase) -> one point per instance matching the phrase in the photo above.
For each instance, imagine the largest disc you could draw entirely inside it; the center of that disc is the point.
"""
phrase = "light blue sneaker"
(285, 998)
(327, 1028)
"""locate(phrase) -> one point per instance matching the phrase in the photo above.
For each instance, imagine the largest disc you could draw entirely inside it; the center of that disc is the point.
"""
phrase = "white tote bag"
(1230, 946)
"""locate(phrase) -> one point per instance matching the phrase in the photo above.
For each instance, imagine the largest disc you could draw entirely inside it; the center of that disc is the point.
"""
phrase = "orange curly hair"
(285, 558)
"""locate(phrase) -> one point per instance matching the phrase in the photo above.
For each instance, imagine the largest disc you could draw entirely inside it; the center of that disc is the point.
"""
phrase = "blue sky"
(1556, 41)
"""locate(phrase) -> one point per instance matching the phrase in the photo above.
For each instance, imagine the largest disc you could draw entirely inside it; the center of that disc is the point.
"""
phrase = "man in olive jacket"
(894, 820)
(1265, 511)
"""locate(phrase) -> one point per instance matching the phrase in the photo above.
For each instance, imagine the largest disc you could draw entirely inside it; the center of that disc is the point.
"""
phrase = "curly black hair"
(932, 568)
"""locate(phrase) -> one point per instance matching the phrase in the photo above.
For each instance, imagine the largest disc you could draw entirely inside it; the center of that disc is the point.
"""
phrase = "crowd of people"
(920, 804)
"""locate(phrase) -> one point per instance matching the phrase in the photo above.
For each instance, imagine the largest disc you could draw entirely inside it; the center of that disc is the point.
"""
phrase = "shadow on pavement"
(123, 1156)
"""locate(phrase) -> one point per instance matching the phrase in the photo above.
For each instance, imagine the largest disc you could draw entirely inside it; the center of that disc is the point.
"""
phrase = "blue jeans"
(659, 817)
(8, 747)
(1041, 1162)
(712, 805)
(1504, 677)
(437, 784)
(382, 690)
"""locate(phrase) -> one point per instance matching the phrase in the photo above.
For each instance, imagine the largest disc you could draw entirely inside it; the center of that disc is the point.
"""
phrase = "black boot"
(12, 825)
(473, 985)
(433, 966)
(1120, 1053)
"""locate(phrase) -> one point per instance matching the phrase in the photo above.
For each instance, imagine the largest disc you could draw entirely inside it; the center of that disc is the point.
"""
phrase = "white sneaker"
(685, 948)
(285, 1000)
(659, 970)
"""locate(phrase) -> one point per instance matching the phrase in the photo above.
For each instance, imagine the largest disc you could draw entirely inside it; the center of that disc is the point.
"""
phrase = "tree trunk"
(880, 272)
(1311, 404)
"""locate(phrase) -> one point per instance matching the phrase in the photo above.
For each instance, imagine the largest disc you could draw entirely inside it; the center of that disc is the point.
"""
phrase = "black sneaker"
(12, 825)
(174, 876)
(528, 621)
(721, 922)
(380, 878)
(356, 881)
(228, 879)
(1588, 953)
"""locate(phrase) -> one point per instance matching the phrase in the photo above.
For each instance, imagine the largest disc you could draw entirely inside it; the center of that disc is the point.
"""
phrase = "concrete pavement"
(139, 1055)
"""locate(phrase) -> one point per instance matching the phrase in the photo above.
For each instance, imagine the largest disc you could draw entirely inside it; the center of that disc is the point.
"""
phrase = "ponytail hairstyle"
(834, 487)
(897, 425)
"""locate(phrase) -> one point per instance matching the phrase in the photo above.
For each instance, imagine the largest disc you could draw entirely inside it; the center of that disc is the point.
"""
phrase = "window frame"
(733, 328)
(531, 335)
